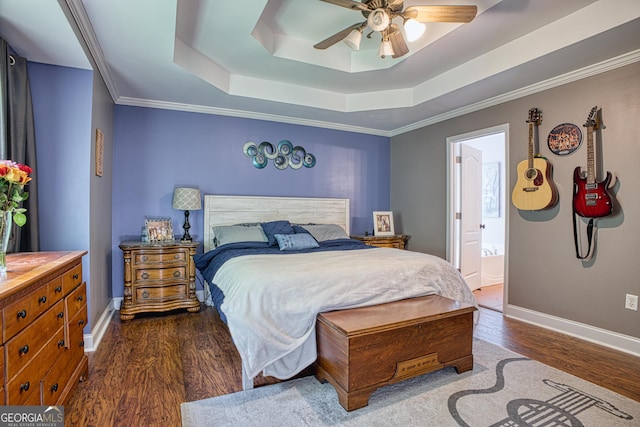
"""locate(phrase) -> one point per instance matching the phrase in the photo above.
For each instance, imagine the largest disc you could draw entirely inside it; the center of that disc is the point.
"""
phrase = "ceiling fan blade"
(349, 4)
(397, 42)
(395, 5)
(339, 36)
(441, 13)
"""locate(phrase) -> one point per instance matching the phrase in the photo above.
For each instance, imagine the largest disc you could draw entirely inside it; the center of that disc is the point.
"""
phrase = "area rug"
(503, 389)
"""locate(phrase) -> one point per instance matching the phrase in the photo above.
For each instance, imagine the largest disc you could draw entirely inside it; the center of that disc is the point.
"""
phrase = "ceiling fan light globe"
(353, 39)
(413, 29)
(385, 49)
(378, 20)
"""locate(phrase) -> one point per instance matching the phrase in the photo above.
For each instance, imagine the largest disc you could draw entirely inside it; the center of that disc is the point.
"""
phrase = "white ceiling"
(255, 58)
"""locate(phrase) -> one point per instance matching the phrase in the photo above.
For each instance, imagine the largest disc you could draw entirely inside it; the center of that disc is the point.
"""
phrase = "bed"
(269, 290)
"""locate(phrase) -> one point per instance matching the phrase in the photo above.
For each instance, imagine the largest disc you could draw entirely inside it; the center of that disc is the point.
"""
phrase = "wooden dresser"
(398, 241)
(158, 277)
(44, 311)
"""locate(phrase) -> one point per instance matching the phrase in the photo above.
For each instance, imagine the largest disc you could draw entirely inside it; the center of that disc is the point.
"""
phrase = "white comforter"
(271, 302)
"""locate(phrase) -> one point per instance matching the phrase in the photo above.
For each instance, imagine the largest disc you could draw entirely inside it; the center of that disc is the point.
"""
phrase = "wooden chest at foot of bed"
(362, 349)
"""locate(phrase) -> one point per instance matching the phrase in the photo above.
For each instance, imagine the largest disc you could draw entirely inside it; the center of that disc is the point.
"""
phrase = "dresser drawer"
(153, 295)
(56, 379)
(155, 274)
(27, 381)
(25, 346)
(75, 336)
(76, 300)
(71, 279)
(20, 314)
(150, 258)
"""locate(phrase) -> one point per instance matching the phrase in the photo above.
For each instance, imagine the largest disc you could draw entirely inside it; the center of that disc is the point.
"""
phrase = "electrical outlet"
(631, 303)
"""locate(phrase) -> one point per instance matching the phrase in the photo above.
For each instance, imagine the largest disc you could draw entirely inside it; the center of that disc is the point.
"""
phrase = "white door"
(471, 215)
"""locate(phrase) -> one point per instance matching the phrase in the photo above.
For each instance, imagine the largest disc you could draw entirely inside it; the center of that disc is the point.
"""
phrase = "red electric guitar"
(590, 197)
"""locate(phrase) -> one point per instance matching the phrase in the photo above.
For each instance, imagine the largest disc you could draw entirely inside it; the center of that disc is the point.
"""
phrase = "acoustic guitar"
(534, 189)
(590, 197)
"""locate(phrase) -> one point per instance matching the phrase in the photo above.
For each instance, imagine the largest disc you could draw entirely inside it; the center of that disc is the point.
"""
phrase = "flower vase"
(6, 223)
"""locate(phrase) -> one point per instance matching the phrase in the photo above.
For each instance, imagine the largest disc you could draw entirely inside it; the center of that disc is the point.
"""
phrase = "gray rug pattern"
(503, 389)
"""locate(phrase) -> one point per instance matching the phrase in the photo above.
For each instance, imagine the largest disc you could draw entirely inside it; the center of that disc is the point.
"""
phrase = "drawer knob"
(24, 350)
(145, 275)
(42, 299)
(76, 276)
(144, 258)
(176, 273)
(61, 315)
(22, 314)
(61, 343)
(25, 386)
(58, 289)
(80, 298)
(145, 294)
(176, 256)
(54, 387)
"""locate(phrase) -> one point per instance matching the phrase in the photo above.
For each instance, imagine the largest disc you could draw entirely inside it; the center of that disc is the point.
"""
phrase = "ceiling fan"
(379, 16)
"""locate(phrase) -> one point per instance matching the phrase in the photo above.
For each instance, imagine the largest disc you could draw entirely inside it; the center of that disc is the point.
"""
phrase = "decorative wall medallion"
(564, 139)
(283, 156)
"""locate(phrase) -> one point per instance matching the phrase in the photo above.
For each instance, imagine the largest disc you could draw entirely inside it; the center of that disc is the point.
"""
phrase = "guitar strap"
(590, 235)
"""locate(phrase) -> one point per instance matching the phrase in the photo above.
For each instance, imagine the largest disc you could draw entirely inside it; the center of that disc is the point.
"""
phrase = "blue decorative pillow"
(276, 227)
(296, 242)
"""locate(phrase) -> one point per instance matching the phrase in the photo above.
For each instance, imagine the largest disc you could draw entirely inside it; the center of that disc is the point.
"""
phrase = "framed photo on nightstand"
(159, 229)
(383, 223)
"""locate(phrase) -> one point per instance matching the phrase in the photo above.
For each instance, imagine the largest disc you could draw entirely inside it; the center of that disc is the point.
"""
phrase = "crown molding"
(583, 73)
(90, 41)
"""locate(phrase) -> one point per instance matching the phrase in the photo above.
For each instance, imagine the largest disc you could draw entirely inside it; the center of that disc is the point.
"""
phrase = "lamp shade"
(186, 199)
(353, 39)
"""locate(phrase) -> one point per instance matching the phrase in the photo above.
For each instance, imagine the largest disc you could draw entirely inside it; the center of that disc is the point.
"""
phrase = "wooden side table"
(158, 277)
(399, 241)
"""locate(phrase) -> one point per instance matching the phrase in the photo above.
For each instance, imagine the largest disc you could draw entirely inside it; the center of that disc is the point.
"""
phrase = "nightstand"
(398, 241)
(158, 277)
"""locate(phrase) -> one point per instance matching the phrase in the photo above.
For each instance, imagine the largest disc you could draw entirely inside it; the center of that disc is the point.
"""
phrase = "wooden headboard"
(229, 210)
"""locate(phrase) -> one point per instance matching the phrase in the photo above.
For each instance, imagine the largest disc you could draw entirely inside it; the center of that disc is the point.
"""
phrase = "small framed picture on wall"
(383, 223)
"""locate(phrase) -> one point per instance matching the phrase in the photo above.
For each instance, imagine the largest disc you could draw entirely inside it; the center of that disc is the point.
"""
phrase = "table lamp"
(186, 199)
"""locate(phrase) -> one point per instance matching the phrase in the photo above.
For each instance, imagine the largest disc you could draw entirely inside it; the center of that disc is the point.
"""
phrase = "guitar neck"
(530, 153)
(591, 165)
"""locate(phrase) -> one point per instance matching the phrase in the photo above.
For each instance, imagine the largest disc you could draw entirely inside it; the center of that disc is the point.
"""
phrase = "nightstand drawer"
(160, 258)
(153, 274)
(151, 295)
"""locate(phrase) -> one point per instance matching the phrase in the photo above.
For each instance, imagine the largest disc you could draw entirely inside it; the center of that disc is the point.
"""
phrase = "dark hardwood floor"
(144, 369)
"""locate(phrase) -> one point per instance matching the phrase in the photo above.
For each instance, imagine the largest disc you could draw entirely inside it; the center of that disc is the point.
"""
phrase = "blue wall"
(62, 102)
(157, 150)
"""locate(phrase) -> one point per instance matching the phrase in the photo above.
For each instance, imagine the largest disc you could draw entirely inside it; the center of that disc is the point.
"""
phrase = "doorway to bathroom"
(478, 212)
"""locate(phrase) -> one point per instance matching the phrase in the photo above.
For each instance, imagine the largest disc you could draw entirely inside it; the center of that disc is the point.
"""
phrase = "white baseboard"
(92, 340)
(614, 340)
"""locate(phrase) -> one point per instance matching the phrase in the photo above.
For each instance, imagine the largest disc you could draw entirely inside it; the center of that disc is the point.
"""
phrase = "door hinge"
(458, 159)
(458, 215)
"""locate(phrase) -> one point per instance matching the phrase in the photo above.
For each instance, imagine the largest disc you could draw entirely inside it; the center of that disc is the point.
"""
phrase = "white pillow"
(238, 233)
(323, 232)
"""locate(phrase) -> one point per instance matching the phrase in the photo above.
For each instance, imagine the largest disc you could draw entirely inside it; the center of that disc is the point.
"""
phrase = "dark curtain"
(18, 141)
